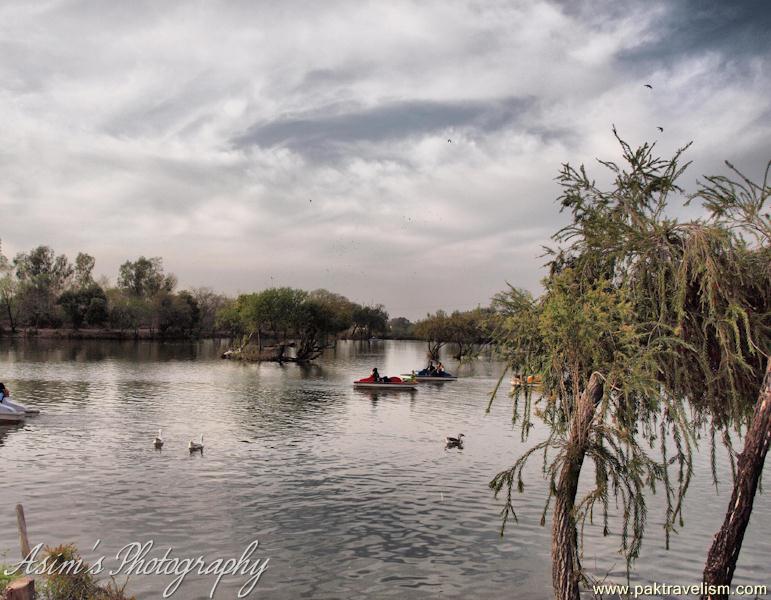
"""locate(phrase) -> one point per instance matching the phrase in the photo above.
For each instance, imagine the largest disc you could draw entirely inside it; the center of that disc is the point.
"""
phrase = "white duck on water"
(196, 447)
(158, 441)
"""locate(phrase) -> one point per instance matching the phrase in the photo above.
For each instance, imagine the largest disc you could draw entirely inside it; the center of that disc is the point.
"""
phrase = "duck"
(158, 441)
(455, 441)
(196, 447)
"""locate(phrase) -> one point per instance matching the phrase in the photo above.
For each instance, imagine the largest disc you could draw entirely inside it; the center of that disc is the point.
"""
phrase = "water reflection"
(352, 493)
(7, 430)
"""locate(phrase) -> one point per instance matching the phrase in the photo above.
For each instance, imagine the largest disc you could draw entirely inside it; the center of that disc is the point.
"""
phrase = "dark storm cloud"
(324, 130)
(694, 26)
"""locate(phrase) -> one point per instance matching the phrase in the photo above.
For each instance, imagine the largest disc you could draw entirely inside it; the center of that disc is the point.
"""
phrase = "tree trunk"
(566, 568)
(722, 557)
(11, 321)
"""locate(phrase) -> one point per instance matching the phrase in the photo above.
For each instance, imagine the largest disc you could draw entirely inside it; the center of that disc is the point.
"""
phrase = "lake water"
(351, 494)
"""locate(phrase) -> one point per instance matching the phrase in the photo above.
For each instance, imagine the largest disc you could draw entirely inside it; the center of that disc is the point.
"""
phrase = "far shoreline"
(122, 335)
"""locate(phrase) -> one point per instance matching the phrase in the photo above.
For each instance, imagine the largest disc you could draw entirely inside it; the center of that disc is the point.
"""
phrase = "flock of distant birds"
(451, 442)
(650, 87)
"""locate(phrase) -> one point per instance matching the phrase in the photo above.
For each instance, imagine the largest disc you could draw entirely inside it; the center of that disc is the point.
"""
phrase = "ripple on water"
(351, 494)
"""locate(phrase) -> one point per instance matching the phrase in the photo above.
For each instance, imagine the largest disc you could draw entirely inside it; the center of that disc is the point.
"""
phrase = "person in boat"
(439, 369)
(431, 368)
(4, 392)
(375, 375)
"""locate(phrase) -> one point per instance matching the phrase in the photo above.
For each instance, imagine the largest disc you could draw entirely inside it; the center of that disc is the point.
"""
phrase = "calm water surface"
(350, 494)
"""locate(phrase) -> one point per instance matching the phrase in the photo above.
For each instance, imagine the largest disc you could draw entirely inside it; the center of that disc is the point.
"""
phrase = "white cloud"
(306, 143)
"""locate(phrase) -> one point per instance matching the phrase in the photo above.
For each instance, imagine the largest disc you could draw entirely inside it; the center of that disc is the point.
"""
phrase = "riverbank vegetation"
(67, 577)
(45, 294)
(40, 290)
(648, 328)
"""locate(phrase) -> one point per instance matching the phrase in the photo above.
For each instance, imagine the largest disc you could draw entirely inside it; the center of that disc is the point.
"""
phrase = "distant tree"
(400, 328)
(176, 314)
(8, 290)
(340, 310)
(230, 318)
(42, 262)
(42, 276)
(464, 329)
(369, 320)
(210, 304)
(467, 330)
(84, 268)
(435, 331)
(84, 305)
(315, 321)
(144, 277)
(127, 311)
(288, 315)
(97, 312)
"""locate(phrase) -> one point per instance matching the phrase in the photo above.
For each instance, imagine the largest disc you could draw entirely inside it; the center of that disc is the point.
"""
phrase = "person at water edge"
(375, 375)
(4, 392)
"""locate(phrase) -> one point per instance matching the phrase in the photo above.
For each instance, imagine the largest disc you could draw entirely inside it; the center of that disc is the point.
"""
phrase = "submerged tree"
(290, 317)
(636, 327)
(434, 331)
(463, 329)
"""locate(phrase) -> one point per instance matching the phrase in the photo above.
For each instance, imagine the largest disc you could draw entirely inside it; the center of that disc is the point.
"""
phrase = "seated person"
(4, 392)
(375, 375)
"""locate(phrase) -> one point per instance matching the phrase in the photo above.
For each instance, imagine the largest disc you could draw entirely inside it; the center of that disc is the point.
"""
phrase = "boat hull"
(19, 407)
(429, 379)
(385, 386)
(10, 415)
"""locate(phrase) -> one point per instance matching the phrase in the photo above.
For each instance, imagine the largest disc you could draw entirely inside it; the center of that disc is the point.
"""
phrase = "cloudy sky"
(306, 143)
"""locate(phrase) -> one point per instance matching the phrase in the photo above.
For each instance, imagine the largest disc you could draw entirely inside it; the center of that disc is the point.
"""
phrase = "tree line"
(40, 289)
(648, 329)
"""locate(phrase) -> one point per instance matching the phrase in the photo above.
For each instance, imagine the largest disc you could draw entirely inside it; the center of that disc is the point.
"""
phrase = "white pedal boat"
(8, 414)
(18, 407)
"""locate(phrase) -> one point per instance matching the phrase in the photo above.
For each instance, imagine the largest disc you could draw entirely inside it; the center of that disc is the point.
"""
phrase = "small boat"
(425, 376)
(392, 383)
(529, 380)
(19, 407)
(434, 378)
(8, 414)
